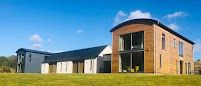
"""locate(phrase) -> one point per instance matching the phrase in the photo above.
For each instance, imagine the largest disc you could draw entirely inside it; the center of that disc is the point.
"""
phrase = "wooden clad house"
(148, 46)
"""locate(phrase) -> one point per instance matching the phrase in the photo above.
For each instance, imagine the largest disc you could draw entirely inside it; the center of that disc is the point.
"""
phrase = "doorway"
(52, 67)
(181, 67)
(132, 62)
(78, 66)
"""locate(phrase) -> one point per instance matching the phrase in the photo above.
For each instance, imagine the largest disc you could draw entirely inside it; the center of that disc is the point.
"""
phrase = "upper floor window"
(174, 43)
(30, 56)
(131, 41)
(181, 49)
(163, 41)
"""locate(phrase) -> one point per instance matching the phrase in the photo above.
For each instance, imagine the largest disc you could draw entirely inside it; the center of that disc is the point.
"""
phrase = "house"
(148, 46)
(29, 61)
(89, 60)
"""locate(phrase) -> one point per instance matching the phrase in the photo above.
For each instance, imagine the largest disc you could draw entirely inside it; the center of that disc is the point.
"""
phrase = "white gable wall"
(64, 67)
(101, 58)
(90, 66)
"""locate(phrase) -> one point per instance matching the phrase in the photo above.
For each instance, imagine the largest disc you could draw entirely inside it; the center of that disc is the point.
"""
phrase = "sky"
(62, 25)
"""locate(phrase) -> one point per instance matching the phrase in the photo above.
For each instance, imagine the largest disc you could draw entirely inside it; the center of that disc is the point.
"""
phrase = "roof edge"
(150, 22)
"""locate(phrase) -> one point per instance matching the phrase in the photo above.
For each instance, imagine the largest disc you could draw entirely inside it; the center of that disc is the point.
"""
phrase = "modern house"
(29, 61)
(89, 60)
(148, 46)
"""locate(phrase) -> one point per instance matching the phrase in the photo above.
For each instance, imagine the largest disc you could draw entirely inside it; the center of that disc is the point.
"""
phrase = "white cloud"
(122, 16)
(176, 14)
(37, 46)
(35, 38)
(174, 27)
(119, 18)
(78, 31)
(139, 14)
(197, 46)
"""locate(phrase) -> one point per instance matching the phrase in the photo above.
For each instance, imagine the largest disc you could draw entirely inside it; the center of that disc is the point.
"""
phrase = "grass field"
(99, 80)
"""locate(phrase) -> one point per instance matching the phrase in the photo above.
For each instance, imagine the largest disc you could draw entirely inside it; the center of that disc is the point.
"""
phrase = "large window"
(132, 41)
(132, 62)
(181, 50)
(131, 48)
(163, 41)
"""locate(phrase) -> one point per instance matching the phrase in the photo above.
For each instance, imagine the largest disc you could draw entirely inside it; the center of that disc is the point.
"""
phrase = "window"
(189, 68)
(163, 41)
(160, 61)
(66, 66)
(91, 64)
(181, 49)
(174, 43)
(132, 41)
(61, 67)
(30, 60)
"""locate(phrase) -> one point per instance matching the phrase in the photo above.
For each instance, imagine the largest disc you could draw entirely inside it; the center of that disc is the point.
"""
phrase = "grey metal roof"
(150, 22)
(82, 54)
(33, 51)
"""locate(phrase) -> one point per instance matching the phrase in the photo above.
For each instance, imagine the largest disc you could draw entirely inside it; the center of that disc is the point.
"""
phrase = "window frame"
(163, 41)
(160, 59)
(181, 49)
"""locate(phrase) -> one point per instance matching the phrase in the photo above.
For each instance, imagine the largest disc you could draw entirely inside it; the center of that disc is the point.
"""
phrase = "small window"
(174, 43)
(91, 64)
(30, 56)
(163, 41)
(181, 49)
(160, 61)
(66, 66)
(61, 67)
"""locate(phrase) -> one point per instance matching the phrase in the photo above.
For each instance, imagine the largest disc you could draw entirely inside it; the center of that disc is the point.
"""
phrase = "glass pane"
(138, 40)
(125, 62)
(137, 62)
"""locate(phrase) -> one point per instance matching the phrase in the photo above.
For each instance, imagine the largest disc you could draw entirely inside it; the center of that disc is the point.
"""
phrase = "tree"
(7, 63)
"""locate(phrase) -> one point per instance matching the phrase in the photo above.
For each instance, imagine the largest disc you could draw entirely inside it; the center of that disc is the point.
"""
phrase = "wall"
(170, 56)
(87, 64)
(148, 45)
(35, 65)
(65, 67)
(102, 57)
(44, 68)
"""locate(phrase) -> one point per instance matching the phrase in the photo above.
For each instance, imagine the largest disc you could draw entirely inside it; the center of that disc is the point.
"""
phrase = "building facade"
(147, 46)
(89, 60)
(29, 61)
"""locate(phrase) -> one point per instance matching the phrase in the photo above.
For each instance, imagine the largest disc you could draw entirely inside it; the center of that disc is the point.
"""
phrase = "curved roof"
(150, 22)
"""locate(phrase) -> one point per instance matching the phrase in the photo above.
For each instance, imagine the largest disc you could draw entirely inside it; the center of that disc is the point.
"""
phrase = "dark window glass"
(163, 41)
(181, 50)
(30, 57)
(160, 61)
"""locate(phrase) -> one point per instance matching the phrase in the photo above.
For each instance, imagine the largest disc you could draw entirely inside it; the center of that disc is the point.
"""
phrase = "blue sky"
(61, 25)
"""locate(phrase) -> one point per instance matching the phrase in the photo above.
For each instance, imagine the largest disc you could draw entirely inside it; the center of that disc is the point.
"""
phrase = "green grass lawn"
(99, 80)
